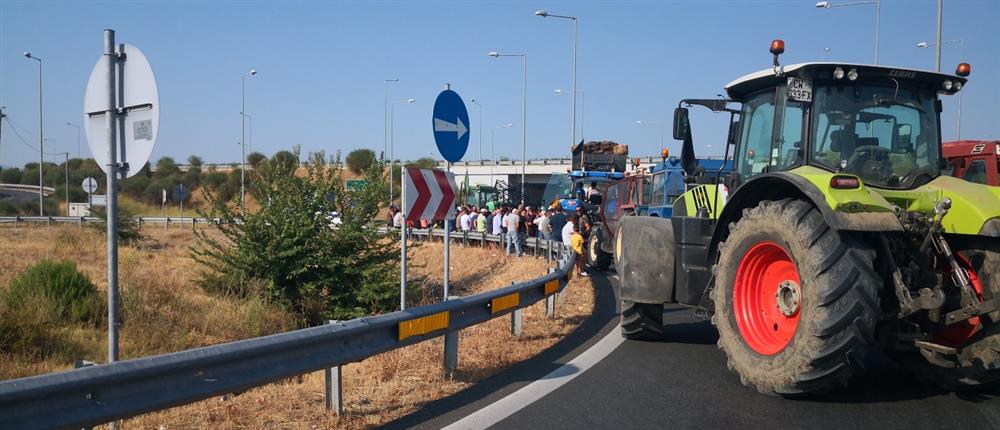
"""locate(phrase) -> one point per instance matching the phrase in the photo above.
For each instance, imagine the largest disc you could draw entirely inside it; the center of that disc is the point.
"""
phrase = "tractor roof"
(748, 84)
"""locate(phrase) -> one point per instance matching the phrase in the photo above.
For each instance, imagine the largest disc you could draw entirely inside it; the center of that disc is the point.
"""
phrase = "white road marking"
(507, 406)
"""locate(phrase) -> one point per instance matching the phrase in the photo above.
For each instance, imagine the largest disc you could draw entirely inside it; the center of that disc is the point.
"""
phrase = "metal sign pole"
(447, 246)
(112, 200)
(402, 241)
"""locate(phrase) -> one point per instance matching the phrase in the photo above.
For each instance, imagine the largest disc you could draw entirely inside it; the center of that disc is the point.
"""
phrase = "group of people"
(516, 224)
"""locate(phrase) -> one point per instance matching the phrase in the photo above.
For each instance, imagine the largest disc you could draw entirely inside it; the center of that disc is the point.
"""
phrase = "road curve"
(682, 381)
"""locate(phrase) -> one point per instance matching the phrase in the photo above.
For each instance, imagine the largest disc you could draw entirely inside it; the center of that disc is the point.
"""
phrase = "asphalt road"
(682, 381)
(17, 196)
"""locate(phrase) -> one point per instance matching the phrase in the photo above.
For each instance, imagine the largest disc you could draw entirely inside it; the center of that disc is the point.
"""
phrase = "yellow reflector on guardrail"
(423, 325)
(551, 287)
(503, 303)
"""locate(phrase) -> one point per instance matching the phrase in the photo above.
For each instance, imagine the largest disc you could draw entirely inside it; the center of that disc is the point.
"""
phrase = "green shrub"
(129, 230)
(57, 290)
(360, 160)
(287, 248)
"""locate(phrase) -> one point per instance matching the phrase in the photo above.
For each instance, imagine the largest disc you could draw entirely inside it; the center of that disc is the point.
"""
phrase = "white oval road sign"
(89, 185)
(141, 107)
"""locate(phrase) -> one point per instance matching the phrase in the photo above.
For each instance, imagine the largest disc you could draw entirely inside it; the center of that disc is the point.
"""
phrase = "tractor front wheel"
(796, 302)
(598, 259)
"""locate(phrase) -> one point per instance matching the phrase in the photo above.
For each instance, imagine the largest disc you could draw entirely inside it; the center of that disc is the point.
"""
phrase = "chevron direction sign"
(429, 195)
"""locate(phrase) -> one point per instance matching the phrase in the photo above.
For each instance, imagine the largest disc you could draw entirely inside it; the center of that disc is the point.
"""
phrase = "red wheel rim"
(959, 333)
(767, 298)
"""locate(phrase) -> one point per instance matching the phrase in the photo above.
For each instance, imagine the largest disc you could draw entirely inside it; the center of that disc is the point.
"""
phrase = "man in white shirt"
(542, 221)
(513, 238)
(498, 222)
(567, 231)
(397, 220)
(465, 221)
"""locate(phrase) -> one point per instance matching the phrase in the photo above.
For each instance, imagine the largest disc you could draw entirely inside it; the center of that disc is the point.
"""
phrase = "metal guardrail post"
(536, 247)
(517, 322)
(550, 302)
(334, 386)
(483, 243)
(450, 352)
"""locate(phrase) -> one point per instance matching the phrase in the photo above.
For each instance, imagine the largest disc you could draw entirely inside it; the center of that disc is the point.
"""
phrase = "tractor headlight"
(838, 73)
(958, 86)
(853, 74)
(948, 85)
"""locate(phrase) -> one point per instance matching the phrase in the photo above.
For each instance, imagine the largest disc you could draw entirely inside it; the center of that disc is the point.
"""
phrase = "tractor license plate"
(800, 90)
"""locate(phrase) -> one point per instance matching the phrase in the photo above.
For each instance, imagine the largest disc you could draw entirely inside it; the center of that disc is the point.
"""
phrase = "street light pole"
(385, 120)
(480, 130)
(961, 44)
(545, 14)
(878, 11)
(41, 144)
(524, 116)
(937, 52)
(392, 127)
(77, 138)
(243, 139)
(583, 105)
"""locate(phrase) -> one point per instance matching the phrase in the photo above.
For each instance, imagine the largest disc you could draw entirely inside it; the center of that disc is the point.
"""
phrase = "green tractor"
(835, 234)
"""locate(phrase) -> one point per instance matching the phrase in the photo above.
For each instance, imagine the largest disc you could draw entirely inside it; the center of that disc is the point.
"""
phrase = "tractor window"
(645, 190)
(976, 172)
(755, 138)
(656, 190)
(788, 148)
(887, 135)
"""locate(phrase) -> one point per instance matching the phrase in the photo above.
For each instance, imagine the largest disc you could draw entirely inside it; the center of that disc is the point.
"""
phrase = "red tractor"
(975, 160)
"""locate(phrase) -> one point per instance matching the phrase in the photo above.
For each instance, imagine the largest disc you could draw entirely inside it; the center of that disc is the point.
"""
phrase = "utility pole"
(41, 138)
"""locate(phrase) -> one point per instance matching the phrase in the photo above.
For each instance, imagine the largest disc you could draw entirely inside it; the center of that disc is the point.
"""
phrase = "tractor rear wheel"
(796, 302)
(598, 259)
(642, 321)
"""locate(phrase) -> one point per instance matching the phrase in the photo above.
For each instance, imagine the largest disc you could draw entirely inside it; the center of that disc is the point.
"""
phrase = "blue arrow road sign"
(451, 125)
(181, 192)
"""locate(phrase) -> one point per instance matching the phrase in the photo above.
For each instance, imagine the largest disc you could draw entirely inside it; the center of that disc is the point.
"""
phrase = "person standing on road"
(498, 222)
(481, 221)
(464, 220)
(556, 224)
(529, 222)
(513, 238)
(576, 243)
(542, 224)
(397, 219)
(567, 230)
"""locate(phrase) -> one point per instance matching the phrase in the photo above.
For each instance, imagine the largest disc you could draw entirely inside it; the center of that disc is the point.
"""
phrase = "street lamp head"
(509, 125)
(411, 101)
(253, 72)
(823, 5)
(639, 122)
(923, 45)
(27, 54)
(494, 54)
(541, 13)
(559, 91)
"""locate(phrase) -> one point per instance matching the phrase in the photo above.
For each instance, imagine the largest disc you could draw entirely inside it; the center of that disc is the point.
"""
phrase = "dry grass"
(174, 314)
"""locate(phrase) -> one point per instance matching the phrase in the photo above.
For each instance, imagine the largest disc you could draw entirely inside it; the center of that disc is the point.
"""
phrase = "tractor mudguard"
(644, 257)
(853, 210)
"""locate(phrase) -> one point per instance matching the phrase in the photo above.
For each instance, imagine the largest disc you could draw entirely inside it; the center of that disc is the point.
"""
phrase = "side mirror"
(681, 126)
(734, 132)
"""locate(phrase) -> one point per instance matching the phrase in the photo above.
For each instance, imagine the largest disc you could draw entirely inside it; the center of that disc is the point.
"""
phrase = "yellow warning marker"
(503, 303)
(551, 287)
(423, 325)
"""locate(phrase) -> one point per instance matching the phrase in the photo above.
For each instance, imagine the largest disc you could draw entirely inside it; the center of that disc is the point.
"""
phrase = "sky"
(322, 68)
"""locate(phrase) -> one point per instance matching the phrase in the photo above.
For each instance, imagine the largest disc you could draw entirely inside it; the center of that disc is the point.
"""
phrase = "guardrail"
(80, 220)
(107, 392)
(21, 187)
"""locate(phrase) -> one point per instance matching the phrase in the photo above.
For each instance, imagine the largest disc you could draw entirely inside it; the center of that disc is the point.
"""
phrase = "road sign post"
(402, 240)
(121, 117)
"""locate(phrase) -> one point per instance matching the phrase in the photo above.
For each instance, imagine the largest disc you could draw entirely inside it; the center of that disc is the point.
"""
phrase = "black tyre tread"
(603, 260)
(830, 344)
(642, 321)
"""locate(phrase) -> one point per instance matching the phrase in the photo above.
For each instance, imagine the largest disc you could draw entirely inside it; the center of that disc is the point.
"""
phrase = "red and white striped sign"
(429, 194)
